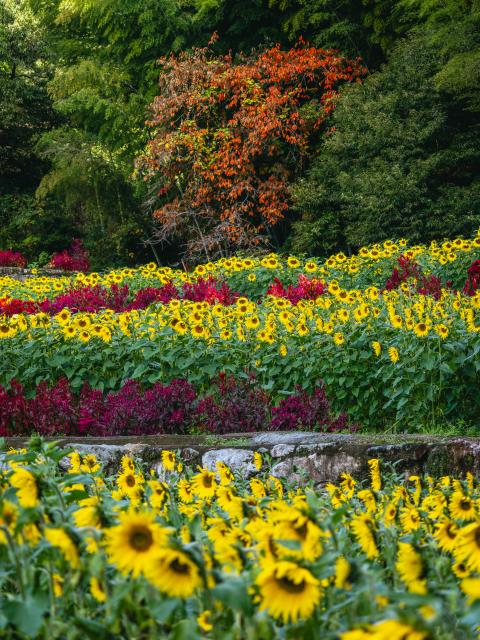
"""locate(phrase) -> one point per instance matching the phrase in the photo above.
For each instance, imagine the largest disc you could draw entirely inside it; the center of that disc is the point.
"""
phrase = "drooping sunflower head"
(446, 535)
(26, 484)
(169, 460)
(174, 573)
(288, 591)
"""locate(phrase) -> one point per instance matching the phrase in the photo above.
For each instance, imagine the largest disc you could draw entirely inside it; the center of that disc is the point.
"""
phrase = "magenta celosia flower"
(73, 259)
(11, 258)
(305, 290)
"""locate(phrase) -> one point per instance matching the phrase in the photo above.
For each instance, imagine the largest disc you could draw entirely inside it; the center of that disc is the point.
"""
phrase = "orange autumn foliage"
(229, 134)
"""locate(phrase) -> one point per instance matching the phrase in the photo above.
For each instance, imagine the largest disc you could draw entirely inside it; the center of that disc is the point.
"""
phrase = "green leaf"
(161, 611)
(186, 630)
(26, 615)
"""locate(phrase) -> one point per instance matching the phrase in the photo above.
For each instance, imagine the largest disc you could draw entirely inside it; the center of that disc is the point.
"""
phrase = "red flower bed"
(11, 258)
(409, 270)
(472, 285)
(73, 259)
(91, 299)
(209, 290)
(232, 405)
(14, 306)
(305, 290)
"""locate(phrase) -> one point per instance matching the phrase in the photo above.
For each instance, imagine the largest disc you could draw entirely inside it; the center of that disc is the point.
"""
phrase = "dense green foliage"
(77, 78)
(402, 161)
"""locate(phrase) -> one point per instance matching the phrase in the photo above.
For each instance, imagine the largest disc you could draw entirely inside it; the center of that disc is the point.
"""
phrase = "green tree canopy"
(25, 108)
(400, 161)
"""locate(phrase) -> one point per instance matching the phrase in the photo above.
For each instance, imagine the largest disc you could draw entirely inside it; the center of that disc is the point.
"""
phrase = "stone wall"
(298, 456)
(23, 274)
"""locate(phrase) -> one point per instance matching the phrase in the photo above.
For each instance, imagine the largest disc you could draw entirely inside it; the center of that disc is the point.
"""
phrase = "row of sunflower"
(184, 553)
(391, 358)
(251, 276)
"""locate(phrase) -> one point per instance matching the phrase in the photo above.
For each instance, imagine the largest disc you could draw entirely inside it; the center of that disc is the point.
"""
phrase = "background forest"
(398, 156)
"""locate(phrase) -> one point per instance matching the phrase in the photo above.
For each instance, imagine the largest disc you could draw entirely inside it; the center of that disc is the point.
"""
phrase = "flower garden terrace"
(394, 331)
(180, 552)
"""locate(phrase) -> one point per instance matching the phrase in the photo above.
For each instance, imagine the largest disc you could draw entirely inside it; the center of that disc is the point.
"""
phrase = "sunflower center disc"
(291, 587)
(141, 539)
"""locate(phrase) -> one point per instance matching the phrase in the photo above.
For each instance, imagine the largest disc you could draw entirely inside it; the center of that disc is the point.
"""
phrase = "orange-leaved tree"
(227, 137)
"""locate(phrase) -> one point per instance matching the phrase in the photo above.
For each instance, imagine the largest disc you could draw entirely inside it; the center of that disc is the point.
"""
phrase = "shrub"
(232, 405)
(73, 259)
(305, 290)
(409, 271)
(235, 405)
(304, 411)
(11, 258)
(472, 285)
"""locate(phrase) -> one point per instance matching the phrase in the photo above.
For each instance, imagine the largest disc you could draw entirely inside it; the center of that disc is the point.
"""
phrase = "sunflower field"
(393, 332)
(188, 553)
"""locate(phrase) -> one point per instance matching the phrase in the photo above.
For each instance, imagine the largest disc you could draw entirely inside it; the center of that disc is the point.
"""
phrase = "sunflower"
(185, 492)
(130, 483)
(421, 329)
(57, 583)
(90, 464)
(135, 541)
(204, 621)
(410, 519)
(5, 331)
(225, 474)
(26, 485)
(127, 463)
(169, 460)
(230, 503)
(348, 485)
(204, 484)
(288, 591)
(84, 336)
(441, 330)
(377, 348)
(468, 546)
(471, 588)
(8, 519)
(82, 322)
(392, 629)
(303, 531)
(63, 317)
(173, 573)
(342, 573)
(89, 514)
(375, 477)
(198, 330)
(159, 493)
(434, 504)
(462, 507)
(363, 529)
(252, 322)
(257, 460)
(410, 567)
(97, 589)
(390, 514)
(393, 354)
(60, 539)
(461, 570)
(338, 339)
(446, 535)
